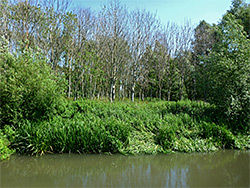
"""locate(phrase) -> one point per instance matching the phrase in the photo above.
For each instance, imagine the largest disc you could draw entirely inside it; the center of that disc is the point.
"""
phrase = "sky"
(172, 10)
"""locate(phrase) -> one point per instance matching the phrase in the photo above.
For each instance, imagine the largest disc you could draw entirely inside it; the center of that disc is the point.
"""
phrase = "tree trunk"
(75, 91)
(90, 87)
(99, 91)
(106, 90)
(123, 93)
(86, 87)
(102, 92)
(181, 88)
(93, 94)
(120, 92)
(142, 94)
(169, 89)
(76, 87)
(82, 88)
(112, 90)
(160, 87)
(133, 92)
(169, 94)
(151, 93)
(160, 92)
(194, 89)
(69, 88)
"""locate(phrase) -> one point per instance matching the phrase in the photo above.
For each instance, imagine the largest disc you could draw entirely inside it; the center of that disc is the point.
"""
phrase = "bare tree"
(53, 26)
(84, 33)
(184, 43)
(143, 26)
(113, 28)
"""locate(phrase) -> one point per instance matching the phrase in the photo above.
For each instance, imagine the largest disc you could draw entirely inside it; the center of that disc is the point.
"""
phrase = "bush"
(5, 151)
(29, 88)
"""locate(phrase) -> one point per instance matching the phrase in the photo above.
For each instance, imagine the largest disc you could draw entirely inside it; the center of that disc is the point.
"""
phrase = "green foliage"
(83, 134)
(5, 151)
(228, 73)
(198, 145)
(29, 89)
(241, 10)
(142, 142)
(37, 119)
(123, 127)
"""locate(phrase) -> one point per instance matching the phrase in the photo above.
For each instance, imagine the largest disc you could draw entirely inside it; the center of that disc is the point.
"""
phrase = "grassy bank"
(5, 151)
(128, 128)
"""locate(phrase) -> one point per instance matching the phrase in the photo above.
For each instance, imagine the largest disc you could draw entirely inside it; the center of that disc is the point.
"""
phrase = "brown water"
(227, 168)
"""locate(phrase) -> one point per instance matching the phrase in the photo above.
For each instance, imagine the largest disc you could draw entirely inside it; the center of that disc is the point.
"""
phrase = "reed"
(130, 128)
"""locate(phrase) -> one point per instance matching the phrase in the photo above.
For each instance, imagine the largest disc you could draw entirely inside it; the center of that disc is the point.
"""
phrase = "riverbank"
(124, 127)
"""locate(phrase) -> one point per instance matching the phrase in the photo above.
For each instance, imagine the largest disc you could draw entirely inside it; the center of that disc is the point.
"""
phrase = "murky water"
(227, 168)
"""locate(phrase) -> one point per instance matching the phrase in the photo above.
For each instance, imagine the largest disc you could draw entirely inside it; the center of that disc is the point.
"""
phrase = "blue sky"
(172, 10)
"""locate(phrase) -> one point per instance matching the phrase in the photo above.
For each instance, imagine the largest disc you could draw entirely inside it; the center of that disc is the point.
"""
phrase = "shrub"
(5, 151)
(29, 88)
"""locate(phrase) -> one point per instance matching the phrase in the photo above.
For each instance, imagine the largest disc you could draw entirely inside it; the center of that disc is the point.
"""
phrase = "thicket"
(29, 89)
(37, 119)
(124, 127)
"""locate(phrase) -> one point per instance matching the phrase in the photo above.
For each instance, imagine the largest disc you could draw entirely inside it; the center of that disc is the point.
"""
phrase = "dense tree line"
(121, 53)
(113, 53)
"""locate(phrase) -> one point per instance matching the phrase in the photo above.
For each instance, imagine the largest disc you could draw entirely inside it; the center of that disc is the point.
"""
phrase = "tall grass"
(129, 128)
(5, 151)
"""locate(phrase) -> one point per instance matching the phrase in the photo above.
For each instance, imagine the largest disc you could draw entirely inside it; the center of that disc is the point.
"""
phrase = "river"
(225, 168)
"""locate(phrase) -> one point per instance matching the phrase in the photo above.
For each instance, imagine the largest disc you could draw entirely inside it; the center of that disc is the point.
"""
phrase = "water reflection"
(225, 168)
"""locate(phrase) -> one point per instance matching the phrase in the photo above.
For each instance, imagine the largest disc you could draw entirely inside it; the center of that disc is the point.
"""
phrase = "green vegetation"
(5, 151)
(189, 96)
(125, 127)
(229, 62)
(29, 88)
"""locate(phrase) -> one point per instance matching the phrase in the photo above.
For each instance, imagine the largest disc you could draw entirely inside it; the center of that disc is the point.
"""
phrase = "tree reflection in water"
(223, 168)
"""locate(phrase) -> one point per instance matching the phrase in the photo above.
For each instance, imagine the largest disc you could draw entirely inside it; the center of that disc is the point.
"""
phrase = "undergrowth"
(130, 128)
(5, 151)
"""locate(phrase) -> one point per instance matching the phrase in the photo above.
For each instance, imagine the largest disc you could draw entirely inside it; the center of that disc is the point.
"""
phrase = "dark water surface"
(226, 168)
